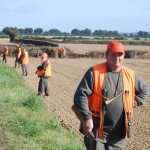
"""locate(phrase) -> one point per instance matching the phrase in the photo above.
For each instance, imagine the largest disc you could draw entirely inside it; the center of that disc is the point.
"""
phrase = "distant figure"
(17, 53)
(37, 53)
(44, 72)
(55, 53)
(59, 52)
(5, 53)
(63, 52)
(23, 60)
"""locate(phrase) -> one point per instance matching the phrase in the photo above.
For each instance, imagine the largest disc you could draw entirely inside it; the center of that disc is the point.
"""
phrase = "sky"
(65, 15)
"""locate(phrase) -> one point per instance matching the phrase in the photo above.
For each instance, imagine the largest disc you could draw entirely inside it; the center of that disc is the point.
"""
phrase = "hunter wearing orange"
(106, 97)
(44, 72)
(17, 53)
(59, 52)
(23, 60)
(63, 52)
(5, 53)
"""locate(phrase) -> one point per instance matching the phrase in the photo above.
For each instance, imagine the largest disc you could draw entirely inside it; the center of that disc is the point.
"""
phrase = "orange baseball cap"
(115, 47)
(44, 55)
(17, 45)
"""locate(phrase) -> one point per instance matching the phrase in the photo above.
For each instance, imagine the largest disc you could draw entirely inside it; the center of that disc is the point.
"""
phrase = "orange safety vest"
(26, 58)
(5, 52)
(46, 72)
(63, 51)
(95, 99)
(59, 51)
(18, 53)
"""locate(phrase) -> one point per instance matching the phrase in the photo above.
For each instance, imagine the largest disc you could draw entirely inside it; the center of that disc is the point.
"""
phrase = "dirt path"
(66, 75)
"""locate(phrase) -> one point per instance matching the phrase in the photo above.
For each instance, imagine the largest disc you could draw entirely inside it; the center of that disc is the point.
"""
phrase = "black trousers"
(17, 62)
(4, 58)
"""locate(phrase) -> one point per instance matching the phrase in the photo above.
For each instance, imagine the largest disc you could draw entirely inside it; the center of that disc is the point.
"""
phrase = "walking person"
(23, 60)
(59, 52)
(5, 53)
(105, 98)
(44, 73)
(17, 53)
(63, 52)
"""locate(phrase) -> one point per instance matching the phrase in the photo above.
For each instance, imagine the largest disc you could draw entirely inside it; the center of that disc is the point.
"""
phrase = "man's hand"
(88, 126)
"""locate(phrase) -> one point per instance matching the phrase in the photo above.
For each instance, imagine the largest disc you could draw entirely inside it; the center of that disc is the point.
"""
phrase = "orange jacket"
(25, 59)
(46, 72)
(95, 99)
(63, 51)
(59, 51)
(5, 52)
(18, 53)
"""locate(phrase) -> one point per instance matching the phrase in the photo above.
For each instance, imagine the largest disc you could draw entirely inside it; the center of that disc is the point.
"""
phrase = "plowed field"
(66, 75)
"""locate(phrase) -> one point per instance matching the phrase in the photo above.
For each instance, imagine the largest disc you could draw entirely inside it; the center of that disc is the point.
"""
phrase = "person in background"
(5, 53)
(63, 52)
(23, 60)
(106, 97)
(17, 53)
(44, 72)
(59, 52)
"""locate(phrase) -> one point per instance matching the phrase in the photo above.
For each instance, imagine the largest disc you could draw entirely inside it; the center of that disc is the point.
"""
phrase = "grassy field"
(25, 124)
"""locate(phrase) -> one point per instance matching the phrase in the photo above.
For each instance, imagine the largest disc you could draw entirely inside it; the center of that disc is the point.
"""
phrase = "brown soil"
(86, 48)
(66, 75)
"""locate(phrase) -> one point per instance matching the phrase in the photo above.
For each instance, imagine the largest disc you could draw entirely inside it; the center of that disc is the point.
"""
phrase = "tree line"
(13, 32)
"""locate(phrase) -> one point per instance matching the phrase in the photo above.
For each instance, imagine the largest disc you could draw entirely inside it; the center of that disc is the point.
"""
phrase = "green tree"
(28, 31)
(46, 33)
(12, 32)
(85, 32)
(21, 31)
(131, 35)
(54, 32)
(75, 32)
(143, 34)
(38, 31)
(65, 34)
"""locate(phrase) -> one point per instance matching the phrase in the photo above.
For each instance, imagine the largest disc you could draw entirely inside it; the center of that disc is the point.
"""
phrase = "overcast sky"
(66, 15)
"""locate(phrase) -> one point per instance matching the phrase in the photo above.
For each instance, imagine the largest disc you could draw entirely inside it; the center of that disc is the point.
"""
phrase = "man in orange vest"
(63, 52)
(23, 60)
(105, 98)
(5, 53)
(44, 72)
(17, 53)
(59, 52)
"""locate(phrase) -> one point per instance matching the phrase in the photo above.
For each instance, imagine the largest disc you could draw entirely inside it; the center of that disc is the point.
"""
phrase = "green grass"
(25, 124)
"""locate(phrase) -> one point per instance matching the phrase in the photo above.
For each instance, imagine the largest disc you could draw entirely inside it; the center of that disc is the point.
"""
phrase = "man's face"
(114, 60)
(43, 59)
